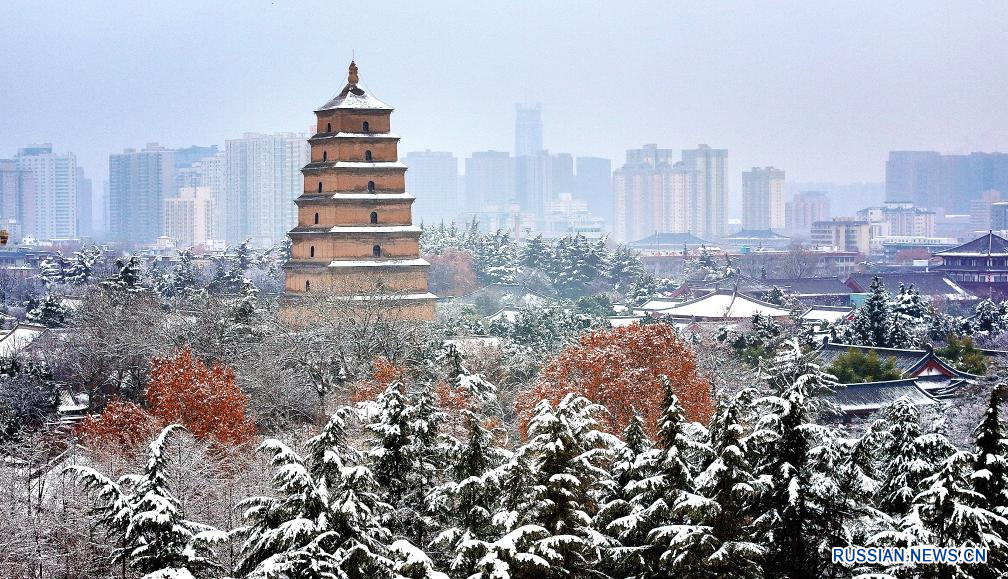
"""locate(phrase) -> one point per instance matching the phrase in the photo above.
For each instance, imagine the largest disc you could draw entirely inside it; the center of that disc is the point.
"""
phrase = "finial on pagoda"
(352, 78)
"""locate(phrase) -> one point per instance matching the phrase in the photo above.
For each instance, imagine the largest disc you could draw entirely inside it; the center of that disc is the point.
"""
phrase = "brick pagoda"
(355, 234)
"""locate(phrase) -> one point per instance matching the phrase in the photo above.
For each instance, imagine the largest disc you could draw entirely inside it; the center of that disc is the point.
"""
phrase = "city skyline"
(844, 105)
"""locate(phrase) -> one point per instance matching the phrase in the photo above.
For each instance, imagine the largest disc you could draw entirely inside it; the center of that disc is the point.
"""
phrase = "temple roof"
(986, 245)
(724, 305)
(354, 97)
(871, 396)
(757, 234)
(670, 239)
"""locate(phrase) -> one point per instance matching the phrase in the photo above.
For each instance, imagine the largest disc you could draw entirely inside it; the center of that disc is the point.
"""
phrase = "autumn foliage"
(452, 273)
(385, 372)
(182, 390)
(622, 369)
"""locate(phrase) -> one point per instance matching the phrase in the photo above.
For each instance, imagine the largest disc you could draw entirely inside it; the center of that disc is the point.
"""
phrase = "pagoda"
(355, 235)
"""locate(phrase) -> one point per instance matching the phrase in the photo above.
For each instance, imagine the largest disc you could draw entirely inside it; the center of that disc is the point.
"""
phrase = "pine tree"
(49, 312)
(908, 456)
(156, 540)
(729, 481)
(911, 317)
(128, 276)
(624, 268)
(534, 253)
(786, 428)
(52, 270)
(872, 324)
(81, 269)
(989, 318)
(326, 521)
(466, 501)
(990, 476)
(183, 277)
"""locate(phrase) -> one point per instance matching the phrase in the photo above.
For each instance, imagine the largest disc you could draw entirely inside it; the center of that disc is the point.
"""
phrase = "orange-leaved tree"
(123, 426)
(622, 369)
(205, 400)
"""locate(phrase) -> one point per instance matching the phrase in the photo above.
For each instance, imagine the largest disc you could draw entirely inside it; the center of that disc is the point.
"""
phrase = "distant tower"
(355, 234)
(528, 130)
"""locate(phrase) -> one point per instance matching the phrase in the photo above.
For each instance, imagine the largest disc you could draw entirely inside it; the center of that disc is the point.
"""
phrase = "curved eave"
(357, 264)
(339, 198)
(404, 230)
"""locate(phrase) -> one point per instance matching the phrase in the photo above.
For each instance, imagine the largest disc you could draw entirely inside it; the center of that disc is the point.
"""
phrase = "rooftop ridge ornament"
(352, 77)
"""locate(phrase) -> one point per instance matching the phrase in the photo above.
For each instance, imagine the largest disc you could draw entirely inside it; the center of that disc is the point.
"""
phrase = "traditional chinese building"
(980, 266)
(355, 234)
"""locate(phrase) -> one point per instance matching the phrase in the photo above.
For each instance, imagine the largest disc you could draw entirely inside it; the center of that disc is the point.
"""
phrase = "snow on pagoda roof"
(357, 165)
(375, 229)
(396, 297)
(725, 305)
(415, 262)
(344, 135)
(397, 196)
(353, 96)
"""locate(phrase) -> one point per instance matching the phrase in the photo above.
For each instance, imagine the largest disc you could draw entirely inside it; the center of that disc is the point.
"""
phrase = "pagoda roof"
(990, 244)
(366, 136)
(355, 165)
(313, 196)
(412, 262)
(353, 97)
(360, 229)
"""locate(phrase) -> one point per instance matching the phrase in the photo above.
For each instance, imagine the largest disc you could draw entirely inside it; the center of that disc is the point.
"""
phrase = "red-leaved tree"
(123, 426)
(205, 400)
(621, 369)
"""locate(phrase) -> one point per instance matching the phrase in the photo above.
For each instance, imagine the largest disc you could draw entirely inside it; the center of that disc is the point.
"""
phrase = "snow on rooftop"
(345, 135)
(19, 338)
(359, 164)
(380, 196)
(724, 305)
(379, 262)
(829, 315)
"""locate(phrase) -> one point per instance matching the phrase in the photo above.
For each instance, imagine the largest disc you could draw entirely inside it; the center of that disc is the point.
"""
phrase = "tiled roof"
(989, 244)
(932, 283)
(872, 396)
(756, 234)
(354, 97)
(674, 239)
(811, 286)
(724, 305)
(903, 359)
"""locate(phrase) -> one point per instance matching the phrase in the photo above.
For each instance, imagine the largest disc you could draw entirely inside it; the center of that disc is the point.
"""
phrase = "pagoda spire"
(352, 77)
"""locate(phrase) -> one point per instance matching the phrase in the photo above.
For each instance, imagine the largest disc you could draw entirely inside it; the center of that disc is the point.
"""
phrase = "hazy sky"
(822, 90)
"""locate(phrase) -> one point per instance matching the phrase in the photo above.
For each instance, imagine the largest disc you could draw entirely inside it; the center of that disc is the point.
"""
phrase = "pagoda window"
(320, 186)
(328, 127)
(311, 251)
(325, 155)
(367, 155)
(370, 187)
(374, 217)
(307, 285)
(316, 219)
(366, 127)
(376, 251)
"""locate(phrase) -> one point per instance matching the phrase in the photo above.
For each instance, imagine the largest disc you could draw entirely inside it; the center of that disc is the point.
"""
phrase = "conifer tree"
(156, 540)
(49, 312)
(128, 276)
(872, 324)
(990, 471)
(904, 458)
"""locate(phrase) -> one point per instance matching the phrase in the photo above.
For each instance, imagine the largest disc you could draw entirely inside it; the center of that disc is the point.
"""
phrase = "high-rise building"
(433, 179)
(17, 199)
(262, 179)
(55, 185)
(710, 204)
(804, 209)
(355, 233)
(85, 222)
(528, 130)
(207, 172)
(534, 182)
(999, 216)
(763, 199)
(186, 157)
(593, 183)
(489, 180)
(932, 180)
(139, 182)
(561, 174)
(654, 194)
(188, 218)
(980, 210)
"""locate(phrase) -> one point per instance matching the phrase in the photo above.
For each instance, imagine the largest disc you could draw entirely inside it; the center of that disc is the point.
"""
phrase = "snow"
(622, 321)
(345, 135)
(354, 97)
(361, 164)
(725, 305)
(375, 196)
(18, 339)
(378, 229)
(829, 315)
(416, 262)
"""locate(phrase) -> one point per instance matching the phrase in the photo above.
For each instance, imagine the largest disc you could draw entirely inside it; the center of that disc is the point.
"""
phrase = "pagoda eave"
(347, 166)
(320, 137)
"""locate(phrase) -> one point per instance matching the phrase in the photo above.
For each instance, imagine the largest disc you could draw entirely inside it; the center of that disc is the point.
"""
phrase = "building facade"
(355, 234)
(932, 180)
(710, 204)
(489, 180)
(842, 234)
(17, 199)
(139, 182)
(188, 218)
(804, 209)
(528, 129)
(593, 183)
(262, 178)
(433, 179)
(54, 176)
(763, 198)
(980, 266)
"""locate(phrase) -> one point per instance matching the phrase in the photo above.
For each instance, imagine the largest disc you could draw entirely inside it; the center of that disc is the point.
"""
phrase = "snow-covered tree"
(128, 276)
(326, 521)
(872, 324)
(156, 540)
(49, 312)
(52, 270)
(80, 269)
(989, 318)
(908, 457)
(911, 318)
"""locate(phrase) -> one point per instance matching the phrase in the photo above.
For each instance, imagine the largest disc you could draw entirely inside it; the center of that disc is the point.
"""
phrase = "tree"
(128, 277)
(855, 366)
(961, 352)
(622, 370)
(452, 273)
(989, 318)
(50, 312)
(156, 540)
(326, 521)
(911, 318)
(123, 426)
(203, 399)
(872, 324)
(908, 456)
